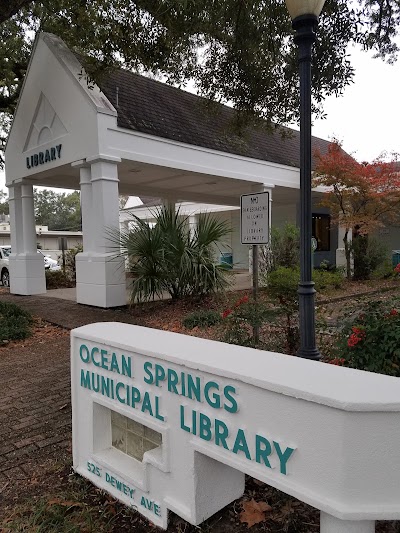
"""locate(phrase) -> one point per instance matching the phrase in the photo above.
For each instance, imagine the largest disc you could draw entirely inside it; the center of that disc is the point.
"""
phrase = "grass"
(75, 507)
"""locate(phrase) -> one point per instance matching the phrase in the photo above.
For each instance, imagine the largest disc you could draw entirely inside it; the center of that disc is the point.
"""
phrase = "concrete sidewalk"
(242, 281)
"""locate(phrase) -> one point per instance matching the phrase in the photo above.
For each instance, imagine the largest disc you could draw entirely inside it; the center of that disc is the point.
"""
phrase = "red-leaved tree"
(360, 196)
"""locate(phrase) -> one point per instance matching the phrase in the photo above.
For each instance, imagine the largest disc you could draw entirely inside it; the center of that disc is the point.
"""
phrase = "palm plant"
(167, 257)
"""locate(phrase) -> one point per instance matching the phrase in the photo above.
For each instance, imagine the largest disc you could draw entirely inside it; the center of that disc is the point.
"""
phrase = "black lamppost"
(304, 15)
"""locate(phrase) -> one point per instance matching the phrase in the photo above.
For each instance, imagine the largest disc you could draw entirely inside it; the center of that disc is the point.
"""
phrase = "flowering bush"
(239, 319)
(397, 269)
(370, 338)
(237, 304)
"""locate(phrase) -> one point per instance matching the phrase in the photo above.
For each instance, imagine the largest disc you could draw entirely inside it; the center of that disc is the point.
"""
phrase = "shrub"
(370, 338)
(327, 279)
(283, 284)
(285, 247)
(282, 289)
(370, 255)
(240, 319)
(70, 266)
(170, 258)
(15, 323)
(57, 279)
(202, 319)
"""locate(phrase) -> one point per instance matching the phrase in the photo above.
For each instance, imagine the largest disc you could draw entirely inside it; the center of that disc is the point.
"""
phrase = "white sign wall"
(326, 435)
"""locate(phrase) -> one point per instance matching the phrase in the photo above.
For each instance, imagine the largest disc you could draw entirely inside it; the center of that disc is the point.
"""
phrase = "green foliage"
(168, 258)
(240, 319)
(58, 211)
(285, 247)
(15, 323)
(327, 279)
(4, 209)
(70, 266)
(282, 287)
(370, 337)
(203, 318)
(370, 255)
(57, 279)
(283, 284)
(246, 49)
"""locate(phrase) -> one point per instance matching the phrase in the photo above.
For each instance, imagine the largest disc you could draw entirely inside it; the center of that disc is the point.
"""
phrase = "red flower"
(338, 361)
(226, 313)
(243, 300)
(394, 312)
(355, 337)
(397, 268)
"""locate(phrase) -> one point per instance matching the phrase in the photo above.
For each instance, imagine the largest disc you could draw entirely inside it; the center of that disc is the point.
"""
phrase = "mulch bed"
(50, 477)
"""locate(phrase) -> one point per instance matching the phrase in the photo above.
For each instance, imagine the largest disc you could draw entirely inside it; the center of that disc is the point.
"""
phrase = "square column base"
(27, 274)
(330, 524)
(100, 280)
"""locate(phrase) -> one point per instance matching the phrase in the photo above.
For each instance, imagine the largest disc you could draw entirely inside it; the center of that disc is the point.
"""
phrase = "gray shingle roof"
(156, 108)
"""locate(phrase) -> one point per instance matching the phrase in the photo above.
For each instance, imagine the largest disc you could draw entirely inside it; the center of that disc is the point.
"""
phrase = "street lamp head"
(301, 8)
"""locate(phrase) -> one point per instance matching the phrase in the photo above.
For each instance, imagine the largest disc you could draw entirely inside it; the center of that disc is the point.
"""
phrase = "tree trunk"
(360, 256)
(347, 251)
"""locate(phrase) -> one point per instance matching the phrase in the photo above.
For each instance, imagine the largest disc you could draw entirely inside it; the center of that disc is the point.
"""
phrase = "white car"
(49, 264)
(4, 273)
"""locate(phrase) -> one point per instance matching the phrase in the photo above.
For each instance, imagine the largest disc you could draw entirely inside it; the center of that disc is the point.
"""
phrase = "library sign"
(164, 421)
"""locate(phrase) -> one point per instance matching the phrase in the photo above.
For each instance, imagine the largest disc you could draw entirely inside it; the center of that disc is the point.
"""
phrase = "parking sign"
(254, 218)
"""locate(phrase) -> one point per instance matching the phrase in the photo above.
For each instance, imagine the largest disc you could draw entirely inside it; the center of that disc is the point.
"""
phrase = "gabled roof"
(155, 108)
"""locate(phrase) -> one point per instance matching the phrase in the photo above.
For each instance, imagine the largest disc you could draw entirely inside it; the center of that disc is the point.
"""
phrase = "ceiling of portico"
(141, 179)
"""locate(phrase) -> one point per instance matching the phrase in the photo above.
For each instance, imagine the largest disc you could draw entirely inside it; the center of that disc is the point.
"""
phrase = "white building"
(133, 136)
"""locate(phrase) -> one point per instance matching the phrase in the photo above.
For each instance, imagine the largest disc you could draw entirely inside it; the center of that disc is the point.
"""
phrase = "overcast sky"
(367, 118)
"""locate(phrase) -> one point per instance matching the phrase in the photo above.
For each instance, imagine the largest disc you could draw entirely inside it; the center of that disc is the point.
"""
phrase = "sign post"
(254, 230)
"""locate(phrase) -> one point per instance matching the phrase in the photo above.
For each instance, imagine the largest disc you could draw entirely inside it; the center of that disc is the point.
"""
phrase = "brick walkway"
(35, 402)
(35, 408)
(65, 313)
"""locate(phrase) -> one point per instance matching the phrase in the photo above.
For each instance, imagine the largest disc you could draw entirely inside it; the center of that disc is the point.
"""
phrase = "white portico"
(132, 136)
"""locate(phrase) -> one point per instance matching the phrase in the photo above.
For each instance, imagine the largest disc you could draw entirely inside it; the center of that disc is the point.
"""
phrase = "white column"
(86, 208)
(192, 225)
(330, 524)
(15, 206)
(100, 273)
(28, 220)
(27, 275)
(106, 204)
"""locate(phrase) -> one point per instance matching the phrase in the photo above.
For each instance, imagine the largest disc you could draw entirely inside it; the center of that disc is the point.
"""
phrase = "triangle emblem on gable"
(46, 125)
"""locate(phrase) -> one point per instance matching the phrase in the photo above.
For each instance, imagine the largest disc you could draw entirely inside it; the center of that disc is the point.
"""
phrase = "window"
(321, 230)
(131, 437)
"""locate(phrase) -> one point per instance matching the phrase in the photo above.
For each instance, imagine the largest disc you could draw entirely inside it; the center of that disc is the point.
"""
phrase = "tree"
(236, 51)
(58, 211)
(361, 196)
(3, 203)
